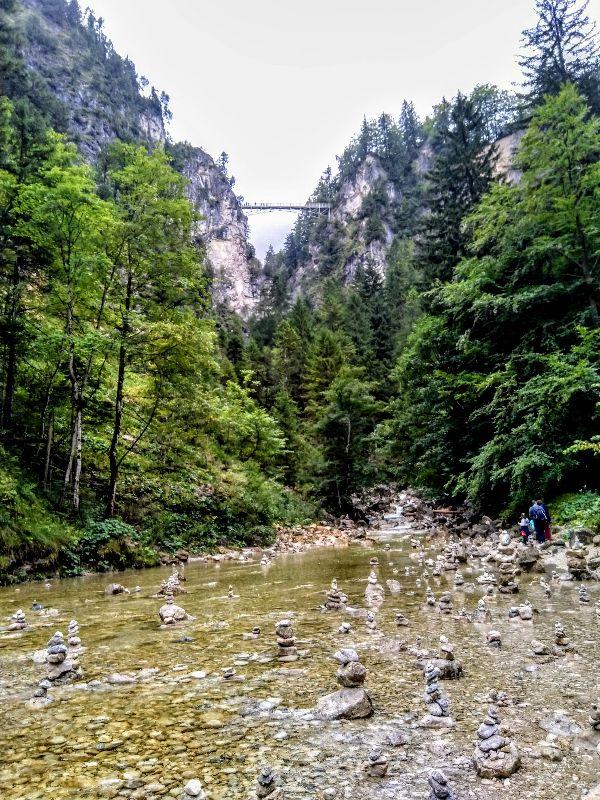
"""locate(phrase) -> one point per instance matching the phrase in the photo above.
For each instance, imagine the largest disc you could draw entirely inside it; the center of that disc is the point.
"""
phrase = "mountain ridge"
(101, 98)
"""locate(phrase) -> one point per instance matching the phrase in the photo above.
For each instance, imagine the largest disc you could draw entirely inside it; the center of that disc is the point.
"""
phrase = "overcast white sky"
(281, 86)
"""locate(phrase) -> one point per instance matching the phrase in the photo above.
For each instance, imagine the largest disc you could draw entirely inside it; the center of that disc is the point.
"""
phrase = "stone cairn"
(351, 701)
(451, 557)
(333, 598)
(459, 579)
(438, 715)
(576, 562)
(595, 716)
(19, 623)
(561, 641)
(429, 597)
(374, 562)
(286, 643)
(266, 785)
(583, 595)
(170, 612)
(482, 612)
(374, 593)
(41, 696)
(401, 620)
(487, 578)
(447, 665)
(172, 584)
(371, 621)
(376, 765)
(345, 627)
(60, 665)
(494, 639)
(230, 592)
(439, 786)
(507, 567)
(73, 634)
(495, 756)
(500, 698)
(445, 603)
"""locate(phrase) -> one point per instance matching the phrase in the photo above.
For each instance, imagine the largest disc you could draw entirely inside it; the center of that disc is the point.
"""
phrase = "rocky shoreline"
(378, 509)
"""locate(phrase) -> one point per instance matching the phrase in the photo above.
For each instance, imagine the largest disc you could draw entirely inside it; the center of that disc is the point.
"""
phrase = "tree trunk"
(114, 442)
(11, 351)
(46, 472)
(77, 474)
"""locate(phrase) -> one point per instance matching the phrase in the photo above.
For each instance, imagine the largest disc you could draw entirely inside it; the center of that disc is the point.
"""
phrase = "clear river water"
(146, 739)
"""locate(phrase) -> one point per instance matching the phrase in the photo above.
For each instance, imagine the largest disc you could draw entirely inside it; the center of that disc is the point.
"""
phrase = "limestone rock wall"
(346, 220)
(223, 230)
(101, 101)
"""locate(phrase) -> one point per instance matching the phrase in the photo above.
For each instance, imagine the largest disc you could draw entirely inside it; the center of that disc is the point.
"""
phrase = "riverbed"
(181, 719)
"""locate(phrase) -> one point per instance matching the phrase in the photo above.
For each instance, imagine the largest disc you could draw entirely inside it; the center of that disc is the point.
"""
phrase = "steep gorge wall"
(223, 229)
(349, 225)
(101, 101)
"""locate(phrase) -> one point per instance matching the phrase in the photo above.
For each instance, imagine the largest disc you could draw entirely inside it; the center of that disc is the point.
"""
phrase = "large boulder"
(115, 588)
(345, 704)
(170, 613)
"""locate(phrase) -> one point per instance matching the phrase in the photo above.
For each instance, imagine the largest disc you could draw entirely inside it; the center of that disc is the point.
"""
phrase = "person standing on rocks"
(539, 514)
(524, 528)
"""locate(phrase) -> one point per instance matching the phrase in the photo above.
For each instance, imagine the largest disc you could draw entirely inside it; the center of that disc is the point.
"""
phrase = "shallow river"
(173, 726)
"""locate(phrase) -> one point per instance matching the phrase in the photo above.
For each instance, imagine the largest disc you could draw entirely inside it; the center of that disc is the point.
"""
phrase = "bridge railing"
(286, 206)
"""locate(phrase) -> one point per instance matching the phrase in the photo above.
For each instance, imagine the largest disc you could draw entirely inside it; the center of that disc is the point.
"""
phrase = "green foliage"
(342, 429)
(108, 544)
(498, 387)
(460, 174)
(577, 510)
(113, 381)
(561, 48)
(29, 528)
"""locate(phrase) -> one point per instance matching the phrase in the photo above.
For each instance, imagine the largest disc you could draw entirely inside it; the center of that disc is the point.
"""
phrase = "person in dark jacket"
(539, 514)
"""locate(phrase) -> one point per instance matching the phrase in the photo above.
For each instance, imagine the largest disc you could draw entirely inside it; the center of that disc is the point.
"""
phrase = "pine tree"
(411, 130)
(561, 48)
(461, 173)
(342, 431)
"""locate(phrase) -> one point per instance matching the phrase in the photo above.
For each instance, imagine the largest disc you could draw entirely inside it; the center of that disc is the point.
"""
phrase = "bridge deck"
(286, 206)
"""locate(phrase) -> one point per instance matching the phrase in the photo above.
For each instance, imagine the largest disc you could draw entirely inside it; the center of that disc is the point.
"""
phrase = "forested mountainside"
(438, 328)
(125, 428)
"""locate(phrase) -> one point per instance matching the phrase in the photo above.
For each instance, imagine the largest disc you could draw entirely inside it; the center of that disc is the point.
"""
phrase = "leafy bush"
(108, 544)
(29, 530)
(577, 510)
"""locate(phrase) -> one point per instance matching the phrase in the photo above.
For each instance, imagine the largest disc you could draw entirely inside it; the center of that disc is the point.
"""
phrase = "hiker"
(524, 528)
(539, 514)
(547, 531)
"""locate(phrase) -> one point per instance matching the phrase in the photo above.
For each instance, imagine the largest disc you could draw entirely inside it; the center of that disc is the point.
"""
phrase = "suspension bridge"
(286, 207)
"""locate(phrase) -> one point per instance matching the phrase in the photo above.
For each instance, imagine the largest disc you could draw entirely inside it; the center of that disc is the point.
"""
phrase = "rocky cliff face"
(350, 226)
(235, 272)
(101, 100)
